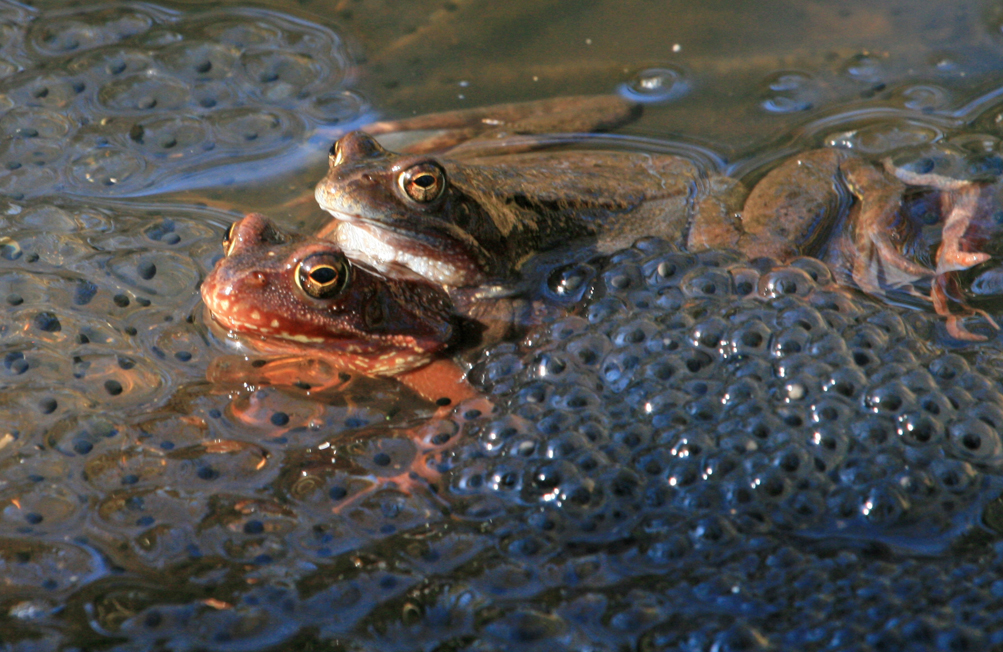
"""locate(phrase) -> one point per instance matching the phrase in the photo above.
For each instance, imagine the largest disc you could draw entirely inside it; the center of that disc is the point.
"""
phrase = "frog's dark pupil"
(424, 180)
(324, 275)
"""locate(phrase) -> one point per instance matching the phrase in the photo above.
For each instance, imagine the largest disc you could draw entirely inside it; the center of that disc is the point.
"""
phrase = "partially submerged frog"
(466, 218)
(304, 299)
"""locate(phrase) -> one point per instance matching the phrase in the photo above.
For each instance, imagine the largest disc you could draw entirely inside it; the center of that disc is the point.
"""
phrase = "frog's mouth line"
(389, 363)
(237, 328)
(221, 315)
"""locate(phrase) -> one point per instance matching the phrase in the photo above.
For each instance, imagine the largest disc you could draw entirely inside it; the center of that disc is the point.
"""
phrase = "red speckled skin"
(379, 324)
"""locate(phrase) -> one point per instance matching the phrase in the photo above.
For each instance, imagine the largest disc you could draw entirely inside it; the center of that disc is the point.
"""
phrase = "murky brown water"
(697, 458)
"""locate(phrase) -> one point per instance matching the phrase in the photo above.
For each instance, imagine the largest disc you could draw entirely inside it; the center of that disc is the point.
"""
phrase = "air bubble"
(656, 85)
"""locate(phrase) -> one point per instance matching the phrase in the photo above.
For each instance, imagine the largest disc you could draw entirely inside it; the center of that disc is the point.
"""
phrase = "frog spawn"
(112, 99)
(765, 406)
(702, 408)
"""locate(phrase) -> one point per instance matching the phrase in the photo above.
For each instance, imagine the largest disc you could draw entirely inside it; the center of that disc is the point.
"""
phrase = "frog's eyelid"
(228, 239)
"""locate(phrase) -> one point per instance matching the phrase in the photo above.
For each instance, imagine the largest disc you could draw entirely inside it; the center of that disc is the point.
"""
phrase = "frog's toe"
(955, 321)
(953, 261)
(881, 265)
(407, 482)
(957, 330)
(418, 474)
(892, 259)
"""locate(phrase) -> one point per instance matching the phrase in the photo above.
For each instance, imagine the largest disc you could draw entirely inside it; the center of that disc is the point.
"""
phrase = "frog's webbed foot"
(312, 375)
(256, 409)
(963, 210)
(952, 258)
(961, 202)
(945, 288)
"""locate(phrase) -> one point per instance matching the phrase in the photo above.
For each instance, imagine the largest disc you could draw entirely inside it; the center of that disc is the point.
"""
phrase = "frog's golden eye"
(336, 155)
(323, 275)
(423, 182)
(229, 238)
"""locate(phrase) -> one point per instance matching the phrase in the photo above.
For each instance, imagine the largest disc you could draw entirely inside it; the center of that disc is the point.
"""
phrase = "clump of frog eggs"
(736, 396)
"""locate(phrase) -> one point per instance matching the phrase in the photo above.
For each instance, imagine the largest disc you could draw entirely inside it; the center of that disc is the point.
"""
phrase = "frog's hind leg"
(467, 131)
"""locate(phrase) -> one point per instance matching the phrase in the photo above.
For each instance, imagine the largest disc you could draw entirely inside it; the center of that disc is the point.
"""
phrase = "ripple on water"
(656, 85)
(693, 424)
(789, 91)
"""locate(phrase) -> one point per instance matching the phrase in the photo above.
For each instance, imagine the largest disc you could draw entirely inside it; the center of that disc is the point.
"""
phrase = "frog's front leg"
(963, 203)
(789, 213)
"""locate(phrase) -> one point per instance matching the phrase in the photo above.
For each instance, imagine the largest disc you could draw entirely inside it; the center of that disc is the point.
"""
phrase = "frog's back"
(536, 202)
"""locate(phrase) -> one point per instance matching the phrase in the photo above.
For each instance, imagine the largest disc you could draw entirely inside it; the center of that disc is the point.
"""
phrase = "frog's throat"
(360, 237)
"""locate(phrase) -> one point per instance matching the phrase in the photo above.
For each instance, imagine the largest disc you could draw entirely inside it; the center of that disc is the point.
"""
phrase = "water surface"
(704, 454)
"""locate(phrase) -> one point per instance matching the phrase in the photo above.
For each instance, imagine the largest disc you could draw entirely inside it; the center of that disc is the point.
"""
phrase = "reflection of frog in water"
(315, 315)
(475, 214)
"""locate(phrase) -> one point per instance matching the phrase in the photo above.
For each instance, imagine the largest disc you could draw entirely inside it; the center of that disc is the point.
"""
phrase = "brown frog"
(474, 214)
(303, 301)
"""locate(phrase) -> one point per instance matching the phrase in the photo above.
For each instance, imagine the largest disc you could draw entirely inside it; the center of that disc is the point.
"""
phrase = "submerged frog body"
(465, 220)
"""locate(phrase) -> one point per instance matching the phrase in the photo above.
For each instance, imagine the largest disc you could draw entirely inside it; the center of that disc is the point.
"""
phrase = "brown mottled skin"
(426, 232)
(495, 212)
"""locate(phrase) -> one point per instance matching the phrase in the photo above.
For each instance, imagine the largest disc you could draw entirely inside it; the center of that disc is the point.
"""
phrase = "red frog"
(310, 310)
